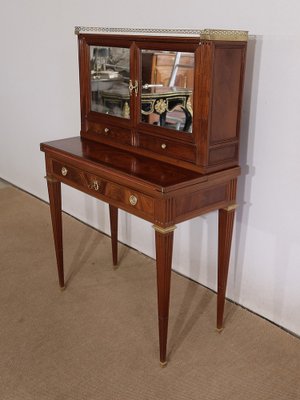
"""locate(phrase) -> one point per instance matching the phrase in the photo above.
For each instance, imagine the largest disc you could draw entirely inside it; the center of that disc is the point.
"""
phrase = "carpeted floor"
(98, 339)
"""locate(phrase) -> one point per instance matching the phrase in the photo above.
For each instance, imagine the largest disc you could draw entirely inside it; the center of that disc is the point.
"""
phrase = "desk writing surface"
(162, 175)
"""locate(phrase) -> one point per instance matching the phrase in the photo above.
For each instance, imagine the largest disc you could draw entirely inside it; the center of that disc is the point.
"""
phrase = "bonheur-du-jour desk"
(161, 172)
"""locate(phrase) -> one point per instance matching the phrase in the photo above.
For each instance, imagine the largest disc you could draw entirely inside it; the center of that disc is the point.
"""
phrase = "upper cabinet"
(173, 96)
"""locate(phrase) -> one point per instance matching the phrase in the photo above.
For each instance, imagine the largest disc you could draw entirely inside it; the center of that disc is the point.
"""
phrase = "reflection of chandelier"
(160, 106)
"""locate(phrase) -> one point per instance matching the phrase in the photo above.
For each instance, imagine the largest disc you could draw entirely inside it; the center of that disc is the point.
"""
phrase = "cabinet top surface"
(202, 34)
(161, 176)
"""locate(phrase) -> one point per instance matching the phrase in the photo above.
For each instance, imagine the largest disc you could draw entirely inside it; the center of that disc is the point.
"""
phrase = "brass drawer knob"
(64, 171)
(106, 131)
(133, 200)
(95, 185)
(163, 146)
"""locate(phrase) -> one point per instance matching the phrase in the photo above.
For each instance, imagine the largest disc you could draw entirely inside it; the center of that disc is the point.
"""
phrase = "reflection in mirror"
(167, 89)
(109, 69)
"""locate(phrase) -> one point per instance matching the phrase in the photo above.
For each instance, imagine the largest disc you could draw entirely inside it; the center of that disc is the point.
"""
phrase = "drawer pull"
(163, 146)
(95, 185)
(133, 200)
(106, 131)
(64, 171)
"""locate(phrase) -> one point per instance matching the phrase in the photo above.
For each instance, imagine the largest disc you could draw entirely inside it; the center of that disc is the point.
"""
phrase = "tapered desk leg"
(164, 248)
(226, 220)
(54, 190)
(113, 213)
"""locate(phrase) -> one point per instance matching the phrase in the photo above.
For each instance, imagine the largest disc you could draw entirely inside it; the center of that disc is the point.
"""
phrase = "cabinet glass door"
(167, 89)
(110, 74)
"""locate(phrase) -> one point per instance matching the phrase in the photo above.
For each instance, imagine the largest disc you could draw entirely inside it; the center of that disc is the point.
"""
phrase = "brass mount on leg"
(164, 231)
(231, 207)
(163, 364)
(50, 179)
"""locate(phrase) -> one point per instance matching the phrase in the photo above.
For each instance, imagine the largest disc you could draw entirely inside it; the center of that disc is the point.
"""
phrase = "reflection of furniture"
(166, 99)
(155, 100)
(177, 65)
(171, 69)
(165, 178)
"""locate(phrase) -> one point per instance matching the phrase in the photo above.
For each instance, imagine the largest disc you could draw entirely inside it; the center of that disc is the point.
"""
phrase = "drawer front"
(108, 133)
(108, 191)
(66, 173)
(129, 197)
(168, 147)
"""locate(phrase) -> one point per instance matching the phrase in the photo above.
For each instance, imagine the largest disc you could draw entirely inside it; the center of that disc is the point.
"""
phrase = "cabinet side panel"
(83, 60)
(204, 200)
(227, 88)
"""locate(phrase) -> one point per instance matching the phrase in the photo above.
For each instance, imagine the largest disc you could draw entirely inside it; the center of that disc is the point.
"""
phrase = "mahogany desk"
(161, 193)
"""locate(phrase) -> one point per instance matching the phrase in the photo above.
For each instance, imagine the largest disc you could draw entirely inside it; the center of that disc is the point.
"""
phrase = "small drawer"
(121, 135)
(168, 147)
(130, 198)
(70, 174)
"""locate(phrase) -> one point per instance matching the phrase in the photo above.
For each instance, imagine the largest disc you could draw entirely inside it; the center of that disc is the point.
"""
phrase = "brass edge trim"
(50, 179)
(164, 230)
(231, 207)
(86, 29)
(203, 34)
(224, 34)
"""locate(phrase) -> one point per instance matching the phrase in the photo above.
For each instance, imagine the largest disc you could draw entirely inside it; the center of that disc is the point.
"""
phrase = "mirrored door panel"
(110, 72)
(167, 89)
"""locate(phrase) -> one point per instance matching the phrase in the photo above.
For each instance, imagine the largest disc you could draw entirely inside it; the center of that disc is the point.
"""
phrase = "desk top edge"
(169, 178)
(161, 176)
